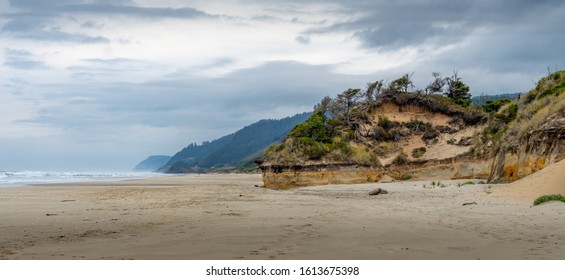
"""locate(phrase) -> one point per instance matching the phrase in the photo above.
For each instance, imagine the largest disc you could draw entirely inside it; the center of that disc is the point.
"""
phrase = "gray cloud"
(22, 59)
(147, 12)
(394, 24)
(37, 28)
(125, 8)
(33, 19)
(288, 87)
(92, 25)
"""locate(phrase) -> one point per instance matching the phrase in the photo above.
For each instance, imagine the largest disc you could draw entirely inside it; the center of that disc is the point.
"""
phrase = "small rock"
(378, 191)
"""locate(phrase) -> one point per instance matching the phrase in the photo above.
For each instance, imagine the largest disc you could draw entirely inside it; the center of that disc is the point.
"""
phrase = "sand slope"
(550, 180)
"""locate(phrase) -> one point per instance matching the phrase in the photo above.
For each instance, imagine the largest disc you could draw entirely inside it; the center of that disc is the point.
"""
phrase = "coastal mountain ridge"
(236, 151)
(152, 163)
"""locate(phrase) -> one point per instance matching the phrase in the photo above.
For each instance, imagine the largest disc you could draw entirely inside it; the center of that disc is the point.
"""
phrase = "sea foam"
(15, 178)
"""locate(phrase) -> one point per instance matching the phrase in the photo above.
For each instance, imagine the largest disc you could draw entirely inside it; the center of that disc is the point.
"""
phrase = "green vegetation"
(547, 198)
(406, 177)
(315, 129)
(551, 85)
(385, 123)
(482, 99)
(508, 113)
(494, 105)
(401, 84)
(458, 91)
(529, 112)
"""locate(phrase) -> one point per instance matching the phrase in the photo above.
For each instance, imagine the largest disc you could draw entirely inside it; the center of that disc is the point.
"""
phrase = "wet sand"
(225, 216)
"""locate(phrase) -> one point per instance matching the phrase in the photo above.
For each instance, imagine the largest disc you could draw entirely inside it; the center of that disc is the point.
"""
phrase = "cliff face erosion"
(360, 137)
(536, 138)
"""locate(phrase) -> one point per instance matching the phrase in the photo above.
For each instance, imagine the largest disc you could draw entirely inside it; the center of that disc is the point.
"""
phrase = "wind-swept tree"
(436, 86)
(458, 91)
(349, 98)
(324, 105)
(374, 90)
(401, 84)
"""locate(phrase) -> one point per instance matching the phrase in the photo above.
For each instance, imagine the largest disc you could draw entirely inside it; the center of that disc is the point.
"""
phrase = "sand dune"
(227, 217)
(550, 180)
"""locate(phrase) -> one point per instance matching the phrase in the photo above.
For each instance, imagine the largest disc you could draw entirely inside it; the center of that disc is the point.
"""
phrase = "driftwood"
(469, 203)
(378, 191)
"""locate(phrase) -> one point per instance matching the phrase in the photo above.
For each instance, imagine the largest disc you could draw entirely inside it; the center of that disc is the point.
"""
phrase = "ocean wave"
(38, 177)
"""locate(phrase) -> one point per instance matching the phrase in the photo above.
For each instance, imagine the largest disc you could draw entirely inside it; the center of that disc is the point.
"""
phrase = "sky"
(101, 85)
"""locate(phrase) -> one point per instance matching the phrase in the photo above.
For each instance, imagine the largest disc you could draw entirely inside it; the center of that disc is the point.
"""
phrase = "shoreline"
(224, 216)
(41, 178)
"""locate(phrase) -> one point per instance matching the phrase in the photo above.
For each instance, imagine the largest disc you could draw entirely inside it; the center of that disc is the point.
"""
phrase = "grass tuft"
(407, 177)
(547, 198)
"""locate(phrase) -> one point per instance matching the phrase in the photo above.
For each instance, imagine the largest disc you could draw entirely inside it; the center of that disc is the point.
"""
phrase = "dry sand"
(227, 217)
(550, 180)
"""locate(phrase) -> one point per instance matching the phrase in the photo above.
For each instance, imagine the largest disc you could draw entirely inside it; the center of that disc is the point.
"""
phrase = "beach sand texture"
(225, 216)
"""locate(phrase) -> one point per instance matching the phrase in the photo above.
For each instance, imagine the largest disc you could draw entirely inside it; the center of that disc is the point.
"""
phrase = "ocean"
(22, 178)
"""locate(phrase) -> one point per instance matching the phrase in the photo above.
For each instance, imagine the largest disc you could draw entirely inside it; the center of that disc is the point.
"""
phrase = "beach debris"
(469, 203)
(259, 186)
(378, 191)
(68, 200)
(49, 214)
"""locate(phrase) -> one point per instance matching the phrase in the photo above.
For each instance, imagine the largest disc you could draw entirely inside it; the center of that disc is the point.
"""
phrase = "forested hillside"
(234, 151)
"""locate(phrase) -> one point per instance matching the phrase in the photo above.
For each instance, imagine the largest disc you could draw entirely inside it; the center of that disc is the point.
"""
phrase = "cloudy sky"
(101, 84)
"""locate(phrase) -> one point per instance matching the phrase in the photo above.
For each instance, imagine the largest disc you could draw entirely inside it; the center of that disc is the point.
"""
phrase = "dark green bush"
(314, 128)
(494, 105)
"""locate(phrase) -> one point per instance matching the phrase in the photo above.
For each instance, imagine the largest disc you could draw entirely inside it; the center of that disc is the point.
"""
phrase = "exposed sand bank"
(226, 217)
(550, 180)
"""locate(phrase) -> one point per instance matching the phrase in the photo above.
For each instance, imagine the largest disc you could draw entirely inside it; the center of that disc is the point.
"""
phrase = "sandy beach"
(225, 216)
